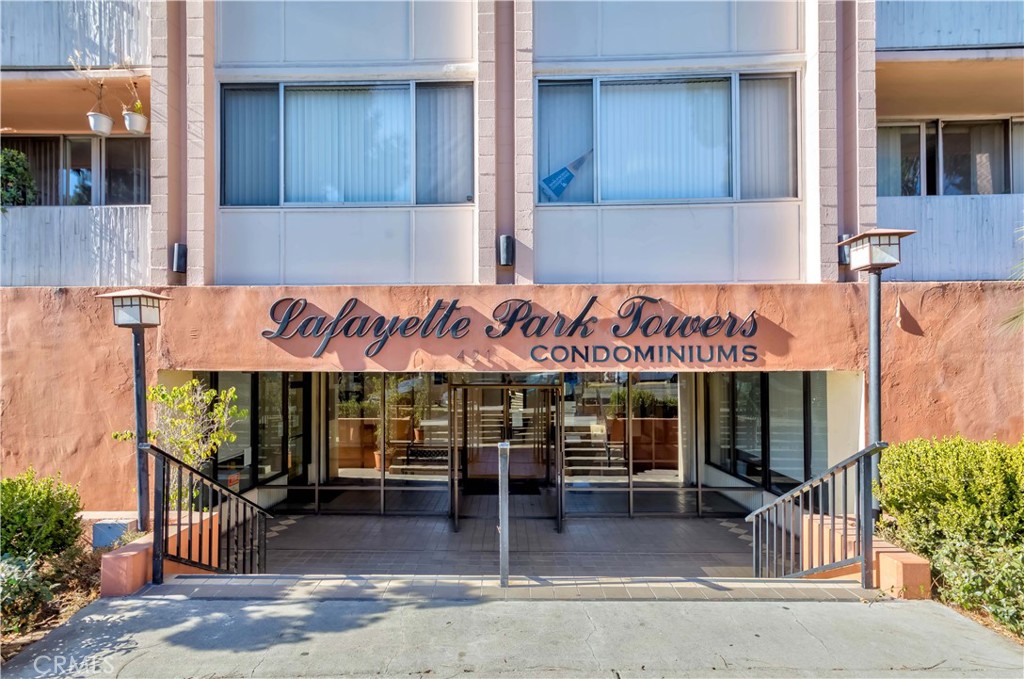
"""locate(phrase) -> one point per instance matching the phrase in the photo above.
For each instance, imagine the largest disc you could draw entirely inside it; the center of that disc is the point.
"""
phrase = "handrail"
(230, 535)
(790, 535)
(839, 466)
(212, 481)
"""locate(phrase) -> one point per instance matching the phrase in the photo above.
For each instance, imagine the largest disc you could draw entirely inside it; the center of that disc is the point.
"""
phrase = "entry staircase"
(823, 525)
(200, 523)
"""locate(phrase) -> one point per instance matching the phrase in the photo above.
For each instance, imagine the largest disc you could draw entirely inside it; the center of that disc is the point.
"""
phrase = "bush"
(23, 591)
(38, 515)
(17, 185)
(961, 504)
(990, 578)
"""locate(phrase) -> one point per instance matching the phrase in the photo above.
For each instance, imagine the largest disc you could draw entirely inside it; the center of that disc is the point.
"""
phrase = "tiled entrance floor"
(587, 547)
(475, 588)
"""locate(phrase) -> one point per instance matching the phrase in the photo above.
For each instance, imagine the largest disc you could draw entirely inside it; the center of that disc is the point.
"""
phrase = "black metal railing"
(823, 524)
(199, 522)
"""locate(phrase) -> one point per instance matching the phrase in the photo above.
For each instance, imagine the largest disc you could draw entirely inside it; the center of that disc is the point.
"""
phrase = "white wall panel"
(319, 246)
(248, 248)
(668, 244)
(443, 245)
(958, 237)
(354, 246)
(443, 30)
(565, 242)
(767, 26)
(280, 32)
(615, 29)
(768, 241)
(250, 32)
(916, 24)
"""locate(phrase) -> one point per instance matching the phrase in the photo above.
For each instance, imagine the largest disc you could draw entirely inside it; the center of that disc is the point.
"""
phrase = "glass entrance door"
(529, 418)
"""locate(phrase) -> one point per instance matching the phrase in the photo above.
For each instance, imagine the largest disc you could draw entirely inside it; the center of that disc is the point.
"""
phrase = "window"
(770, 429)
(87, 170)
(234, 459)
(649, 140)
(960, 158)
(406, 143)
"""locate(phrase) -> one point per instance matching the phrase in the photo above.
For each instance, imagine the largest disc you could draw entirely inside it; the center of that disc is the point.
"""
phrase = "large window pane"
(719, 414)
(655, 404)
(251, 148)
(767, 138)
(749, 462)
(234, 460)
(43, 154)
(596, 477)
(444, 144)
(665, 140)
(899, 161)
(270, 460)
(786, 428)
(78, 172)
(417, 448)
(565, 140)
(353, 430)
(347, 145)
(973, 158)
(127, 172)
(819, 422)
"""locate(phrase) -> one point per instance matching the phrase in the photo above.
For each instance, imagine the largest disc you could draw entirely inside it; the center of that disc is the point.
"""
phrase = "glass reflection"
(354, 455)
(417, 447)
(596, 474)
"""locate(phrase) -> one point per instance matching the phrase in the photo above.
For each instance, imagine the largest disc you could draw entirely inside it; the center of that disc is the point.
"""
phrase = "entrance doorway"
(529, 417)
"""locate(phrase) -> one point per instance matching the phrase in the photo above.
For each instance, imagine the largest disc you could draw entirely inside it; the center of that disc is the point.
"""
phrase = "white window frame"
(98, 160)
(735, 194)
(283, 86)
(922, 125)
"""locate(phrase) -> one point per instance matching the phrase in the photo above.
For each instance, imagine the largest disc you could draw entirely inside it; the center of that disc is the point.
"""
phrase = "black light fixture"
(506, 250)
(179, 261)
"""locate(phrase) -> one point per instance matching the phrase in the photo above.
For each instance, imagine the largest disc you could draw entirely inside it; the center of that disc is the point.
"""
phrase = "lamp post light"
(873, 251)
(138, 310)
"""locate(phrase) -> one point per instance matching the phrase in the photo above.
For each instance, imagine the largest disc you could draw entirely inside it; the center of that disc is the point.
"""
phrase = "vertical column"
(525, 181)
(828, 106)
(486, 142)
(867, 140)
(201, 117)
(166, 140)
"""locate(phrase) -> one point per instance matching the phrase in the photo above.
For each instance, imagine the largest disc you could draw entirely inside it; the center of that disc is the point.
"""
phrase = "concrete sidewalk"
(166, 637)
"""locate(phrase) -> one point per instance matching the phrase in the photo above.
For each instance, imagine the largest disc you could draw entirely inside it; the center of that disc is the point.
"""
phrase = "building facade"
(603, 231)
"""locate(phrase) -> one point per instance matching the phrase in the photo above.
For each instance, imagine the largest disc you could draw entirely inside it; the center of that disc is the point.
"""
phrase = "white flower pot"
(100, 123)
(135, 122)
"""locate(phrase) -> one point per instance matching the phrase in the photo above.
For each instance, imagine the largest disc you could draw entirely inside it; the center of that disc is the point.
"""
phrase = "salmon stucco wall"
(66, 371)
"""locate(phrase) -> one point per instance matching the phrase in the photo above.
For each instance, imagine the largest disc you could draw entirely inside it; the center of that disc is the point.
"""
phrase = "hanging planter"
(100, 123)
(136, 123)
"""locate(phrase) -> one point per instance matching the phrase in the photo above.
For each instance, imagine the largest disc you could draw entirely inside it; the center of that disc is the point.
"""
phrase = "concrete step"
(596, 471)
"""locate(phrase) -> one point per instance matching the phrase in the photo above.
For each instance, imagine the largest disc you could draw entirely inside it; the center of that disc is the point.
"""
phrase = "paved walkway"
(617, 547)
(155, 637)
(487, 588)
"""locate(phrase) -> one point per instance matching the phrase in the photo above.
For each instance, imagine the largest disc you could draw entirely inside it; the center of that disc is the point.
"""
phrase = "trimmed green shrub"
(38, 515)
(990, 578)
(961, 504)
(17, 185)
(953, 489)
(23, 591)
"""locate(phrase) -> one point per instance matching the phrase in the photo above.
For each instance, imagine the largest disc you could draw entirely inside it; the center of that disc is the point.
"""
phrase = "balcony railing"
(41, 34)
(75, 245)
(923, 25)
(959, 238)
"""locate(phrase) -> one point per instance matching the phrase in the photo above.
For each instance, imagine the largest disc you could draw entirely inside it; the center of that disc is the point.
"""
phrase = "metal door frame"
(456, 464)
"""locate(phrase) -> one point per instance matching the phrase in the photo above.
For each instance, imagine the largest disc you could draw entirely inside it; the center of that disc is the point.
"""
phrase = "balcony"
(44, 34)
(924, 25)
(72, 245)
(959, 238)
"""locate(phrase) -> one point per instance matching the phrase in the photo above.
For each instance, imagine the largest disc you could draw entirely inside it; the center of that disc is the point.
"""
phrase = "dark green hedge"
(961, 504)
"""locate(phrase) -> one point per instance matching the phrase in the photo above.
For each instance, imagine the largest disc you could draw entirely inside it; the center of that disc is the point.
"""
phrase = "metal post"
(503, 527)
(870, 509)
(158, 522)
(141, 429)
